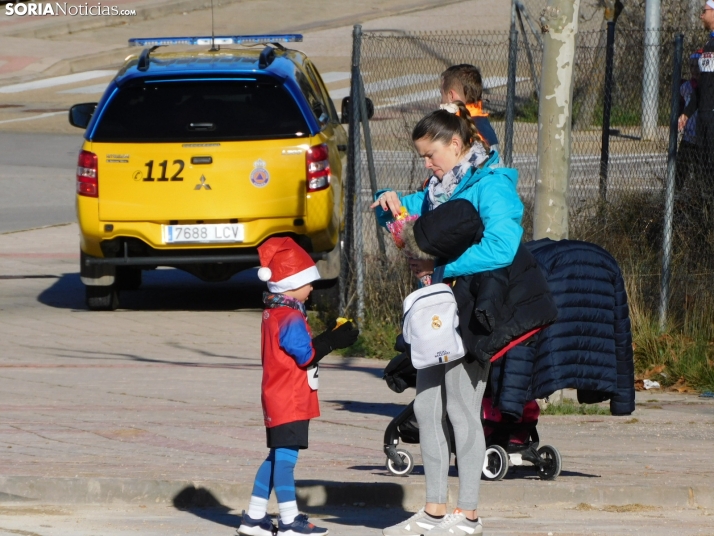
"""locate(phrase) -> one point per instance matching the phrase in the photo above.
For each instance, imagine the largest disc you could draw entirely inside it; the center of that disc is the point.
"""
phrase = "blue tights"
(277, 471)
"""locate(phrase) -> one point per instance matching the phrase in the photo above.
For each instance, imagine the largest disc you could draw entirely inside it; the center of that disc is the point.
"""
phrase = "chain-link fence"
(620, 137)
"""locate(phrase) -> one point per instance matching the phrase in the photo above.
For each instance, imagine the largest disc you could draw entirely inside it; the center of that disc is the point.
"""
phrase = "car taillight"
(318, 168)
(87, 175)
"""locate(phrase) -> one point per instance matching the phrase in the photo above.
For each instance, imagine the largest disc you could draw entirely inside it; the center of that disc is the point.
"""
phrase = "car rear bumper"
(167, 260)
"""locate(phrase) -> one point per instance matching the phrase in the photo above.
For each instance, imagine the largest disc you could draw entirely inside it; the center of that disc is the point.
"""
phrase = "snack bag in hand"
(395, 227)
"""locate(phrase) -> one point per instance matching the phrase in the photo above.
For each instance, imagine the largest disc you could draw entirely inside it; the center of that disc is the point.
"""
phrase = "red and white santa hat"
(285, 265)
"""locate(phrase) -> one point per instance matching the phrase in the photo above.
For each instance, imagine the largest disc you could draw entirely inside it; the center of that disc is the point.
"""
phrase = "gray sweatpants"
(457, 389)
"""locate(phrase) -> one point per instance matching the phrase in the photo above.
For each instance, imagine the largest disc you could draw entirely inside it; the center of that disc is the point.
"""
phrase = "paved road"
(37, 179)
(153, 520)
(143, 405)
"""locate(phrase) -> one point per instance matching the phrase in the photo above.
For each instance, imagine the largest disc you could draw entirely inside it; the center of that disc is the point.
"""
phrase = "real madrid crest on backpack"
(431, 324)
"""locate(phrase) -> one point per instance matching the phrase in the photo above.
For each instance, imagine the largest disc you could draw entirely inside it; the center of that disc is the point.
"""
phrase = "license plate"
(204, 232)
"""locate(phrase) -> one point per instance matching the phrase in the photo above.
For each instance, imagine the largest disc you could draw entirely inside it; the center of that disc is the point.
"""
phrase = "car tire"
(128, 278)
(104, 298)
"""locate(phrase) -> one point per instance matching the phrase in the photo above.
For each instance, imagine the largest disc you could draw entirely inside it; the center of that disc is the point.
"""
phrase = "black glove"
(400, 373)
(334, 339)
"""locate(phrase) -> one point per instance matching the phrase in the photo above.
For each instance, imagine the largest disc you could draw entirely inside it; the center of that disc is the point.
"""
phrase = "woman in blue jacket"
(461, 169)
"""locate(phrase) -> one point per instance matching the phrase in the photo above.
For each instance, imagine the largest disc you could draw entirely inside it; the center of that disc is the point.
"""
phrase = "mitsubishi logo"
(203, 184)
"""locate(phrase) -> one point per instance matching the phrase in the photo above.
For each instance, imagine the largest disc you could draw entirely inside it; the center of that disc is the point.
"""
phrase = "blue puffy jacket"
(491, 188)
(588, 348)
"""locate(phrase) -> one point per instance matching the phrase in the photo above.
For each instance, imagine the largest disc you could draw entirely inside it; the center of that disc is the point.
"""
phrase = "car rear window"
(168, 111)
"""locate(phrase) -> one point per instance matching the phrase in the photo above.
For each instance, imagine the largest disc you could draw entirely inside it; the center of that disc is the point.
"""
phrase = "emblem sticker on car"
(117, 158)
(259, 176)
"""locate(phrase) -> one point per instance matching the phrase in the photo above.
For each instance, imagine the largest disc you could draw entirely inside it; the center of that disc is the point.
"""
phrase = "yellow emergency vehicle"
(192, 159)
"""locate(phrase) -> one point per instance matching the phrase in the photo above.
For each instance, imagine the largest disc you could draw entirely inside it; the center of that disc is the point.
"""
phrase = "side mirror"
(81, 114)
(345, 112)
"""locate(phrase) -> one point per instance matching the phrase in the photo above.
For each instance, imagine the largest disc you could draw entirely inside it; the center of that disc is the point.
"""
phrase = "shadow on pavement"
(387, 409)
(338, 495)
(382, 469)
(165, 290)
(528, 472)
(246, 362)
(202, 503)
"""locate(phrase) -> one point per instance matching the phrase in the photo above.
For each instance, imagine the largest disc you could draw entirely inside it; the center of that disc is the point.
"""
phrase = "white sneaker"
(417, 525)
(456, 524)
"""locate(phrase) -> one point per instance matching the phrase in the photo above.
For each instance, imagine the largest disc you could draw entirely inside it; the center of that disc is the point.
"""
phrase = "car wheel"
(128, 278)
(102, 298)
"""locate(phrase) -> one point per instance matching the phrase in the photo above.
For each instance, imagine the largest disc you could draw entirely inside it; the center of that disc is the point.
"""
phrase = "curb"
(315, 494)
(112, 59)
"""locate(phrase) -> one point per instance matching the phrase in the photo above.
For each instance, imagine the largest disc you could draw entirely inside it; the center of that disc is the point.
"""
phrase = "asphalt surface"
(157, 404)
(37, 179)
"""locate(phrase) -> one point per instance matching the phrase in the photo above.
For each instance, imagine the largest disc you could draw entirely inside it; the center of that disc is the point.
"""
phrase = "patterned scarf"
(440, 191)
(275, 300)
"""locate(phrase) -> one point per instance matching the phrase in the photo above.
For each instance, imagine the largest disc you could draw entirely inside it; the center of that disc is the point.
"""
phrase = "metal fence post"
(650, 73)
(606, 108)
(351, 200)
(669, 191)
(355, 140)
(364, 117)
(511, 90)
(529, 53)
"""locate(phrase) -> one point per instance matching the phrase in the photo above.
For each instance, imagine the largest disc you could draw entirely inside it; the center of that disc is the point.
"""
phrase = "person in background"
(702, 101)
(289, 356)
(687, 152)
(463, 83)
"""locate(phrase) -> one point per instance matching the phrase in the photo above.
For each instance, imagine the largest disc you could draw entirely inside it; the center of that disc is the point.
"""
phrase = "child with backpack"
(462, 168)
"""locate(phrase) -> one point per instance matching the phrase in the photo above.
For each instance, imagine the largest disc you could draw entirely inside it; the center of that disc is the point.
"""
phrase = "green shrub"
(570, 407)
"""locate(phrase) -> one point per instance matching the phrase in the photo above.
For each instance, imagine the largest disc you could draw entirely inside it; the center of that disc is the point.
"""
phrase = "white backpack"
(430, 326)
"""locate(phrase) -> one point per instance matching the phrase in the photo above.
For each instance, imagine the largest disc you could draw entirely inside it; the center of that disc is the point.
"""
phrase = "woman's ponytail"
(450, 120)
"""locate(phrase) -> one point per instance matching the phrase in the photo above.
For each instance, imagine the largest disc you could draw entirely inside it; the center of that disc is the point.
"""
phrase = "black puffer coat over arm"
(495, 307)
(589, 348)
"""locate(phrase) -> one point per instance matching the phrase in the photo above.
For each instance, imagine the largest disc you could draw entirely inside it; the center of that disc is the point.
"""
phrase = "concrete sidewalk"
(161, 399)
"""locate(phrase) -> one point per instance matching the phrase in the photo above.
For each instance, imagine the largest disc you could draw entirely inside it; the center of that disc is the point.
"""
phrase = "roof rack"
(266, 56)
(143, 63)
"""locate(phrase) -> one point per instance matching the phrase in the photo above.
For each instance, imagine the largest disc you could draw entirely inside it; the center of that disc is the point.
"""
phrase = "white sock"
(257, 507)
(288, 512)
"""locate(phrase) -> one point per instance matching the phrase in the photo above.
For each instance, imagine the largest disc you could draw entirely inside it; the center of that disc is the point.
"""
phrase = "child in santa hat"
(289, 388)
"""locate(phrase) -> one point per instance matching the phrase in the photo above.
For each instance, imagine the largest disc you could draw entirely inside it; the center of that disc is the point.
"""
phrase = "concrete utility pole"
(559, 23)
(650, 72)
(694, 9)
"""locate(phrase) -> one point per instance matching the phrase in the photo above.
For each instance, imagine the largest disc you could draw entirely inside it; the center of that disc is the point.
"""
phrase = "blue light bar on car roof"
(218, 40)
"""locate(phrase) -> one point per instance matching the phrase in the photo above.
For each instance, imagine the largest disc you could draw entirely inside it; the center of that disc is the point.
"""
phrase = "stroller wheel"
(406, 458)
(495, 465)
(550, 468)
